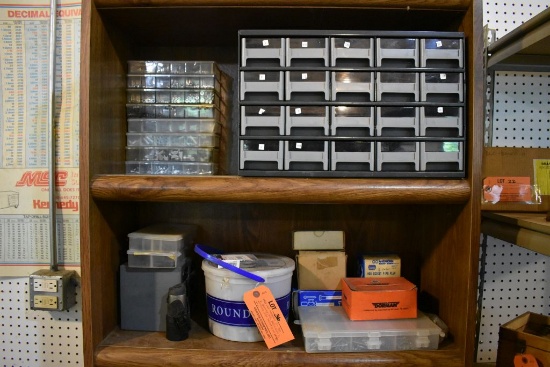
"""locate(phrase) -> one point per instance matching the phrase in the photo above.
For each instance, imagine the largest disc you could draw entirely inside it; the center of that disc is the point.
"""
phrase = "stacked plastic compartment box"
(176, 111)
(159, 257)
(352, 104)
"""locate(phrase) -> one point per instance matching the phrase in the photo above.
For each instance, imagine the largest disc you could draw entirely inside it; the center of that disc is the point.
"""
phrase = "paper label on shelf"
(507, 189)
(525, 360)
(267, 315)
(541, 168)
(265, 43)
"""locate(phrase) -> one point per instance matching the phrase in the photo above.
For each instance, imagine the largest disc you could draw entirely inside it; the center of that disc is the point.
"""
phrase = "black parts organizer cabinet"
(352, 104)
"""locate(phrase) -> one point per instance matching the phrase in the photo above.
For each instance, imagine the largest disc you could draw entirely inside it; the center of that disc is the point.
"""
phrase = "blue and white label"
(235, 313)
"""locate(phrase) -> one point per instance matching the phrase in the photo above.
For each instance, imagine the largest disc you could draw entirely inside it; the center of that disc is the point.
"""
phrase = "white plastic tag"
(261, 146)
(261, 111)
(439, 109)
(265, 43)
(442, 76)
(298, 145)
(304, 76)
(347, 44)
(304, 44)
(262, 77)
(439, 44)
(298, 111)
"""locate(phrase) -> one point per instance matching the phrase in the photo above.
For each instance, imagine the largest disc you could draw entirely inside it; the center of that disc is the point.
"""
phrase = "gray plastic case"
(350, 49)
(441, 119)
(441, 155)
(402, 51)
(308, 119)
(305, 154)
(398, 155)
(308, 49)
(357, 119)
(263, 49)
(307, 82)
(437, 51)
(262, 82)
(352, 155)
(262, 120)
(356, 82)
(442, 86)
(399, 118)
(403, 86)
(259, 154)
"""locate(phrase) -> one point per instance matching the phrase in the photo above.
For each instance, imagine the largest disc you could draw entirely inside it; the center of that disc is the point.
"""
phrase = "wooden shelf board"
(133, 348)
(278, 190)
(528, 230)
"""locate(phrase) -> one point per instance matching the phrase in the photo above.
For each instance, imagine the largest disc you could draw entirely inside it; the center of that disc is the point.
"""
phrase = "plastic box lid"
(328, 329)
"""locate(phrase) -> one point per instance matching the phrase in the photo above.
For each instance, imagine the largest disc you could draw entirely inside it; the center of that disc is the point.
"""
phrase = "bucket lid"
(255, 266)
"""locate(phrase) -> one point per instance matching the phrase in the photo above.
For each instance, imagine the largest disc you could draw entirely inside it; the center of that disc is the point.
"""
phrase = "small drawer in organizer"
(397, 86)
(306, 155)
(442, 52)
(263, 52)
(208, 155)
(307, 51)
(172, 140)
(172, 111)
(154, 125)
(358, 52)
(148, 67)
(403, 121)
(352, 156)
(401, 156)
(163, 237)
(441, 156)
(352, 121)
(170, 168)
(441, 87)
(195, 67)
(307, 85)
(153, 259)
(397, 52)
(261, 155)
(148, 81)
(268, 85)
(352, 86)
(195, 82)
(307, 120)
(262, 120)
(441, 121)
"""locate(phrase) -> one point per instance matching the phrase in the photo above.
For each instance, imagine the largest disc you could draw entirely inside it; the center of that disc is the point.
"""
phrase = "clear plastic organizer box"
(173, 67)
(136, 110)
(170, 168)
(182, 140)
(173, 96)
(329, 330)
(151, 259)
(172, 154)
(162, 237)
(153, 125)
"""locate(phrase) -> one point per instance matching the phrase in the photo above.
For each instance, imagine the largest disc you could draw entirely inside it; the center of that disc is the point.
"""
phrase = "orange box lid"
(378, 284)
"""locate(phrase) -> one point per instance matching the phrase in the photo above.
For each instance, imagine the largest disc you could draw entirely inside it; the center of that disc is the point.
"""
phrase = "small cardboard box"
(529, 334)
(379, 298)
(321, 270)
(380, 266)
(318, 240)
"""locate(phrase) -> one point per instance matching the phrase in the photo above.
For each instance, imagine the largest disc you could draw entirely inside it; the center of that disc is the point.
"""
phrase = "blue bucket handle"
(204, 251)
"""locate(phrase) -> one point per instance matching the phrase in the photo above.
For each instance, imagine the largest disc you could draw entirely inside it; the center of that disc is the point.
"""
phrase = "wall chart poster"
(24, 135)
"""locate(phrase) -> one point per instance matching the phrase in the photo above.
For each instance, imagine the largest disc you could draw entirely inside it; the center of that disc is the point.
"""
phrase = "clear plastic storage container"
(329, 330)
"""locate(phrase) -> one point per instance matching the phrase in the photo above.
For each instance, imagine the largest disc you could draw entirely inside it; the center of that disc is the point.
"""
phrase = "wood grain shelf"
(278, 190)
(528, 230)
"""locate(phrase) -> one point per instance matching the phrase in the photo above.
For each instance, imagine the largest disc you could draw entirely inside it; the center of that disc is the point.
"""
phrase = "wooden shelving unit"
(432, 224)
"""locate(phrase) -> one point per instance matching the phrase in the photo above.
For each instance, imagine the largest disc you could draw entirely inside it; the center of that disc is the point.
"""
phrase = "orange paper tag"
(507, 189)
(268, 316)
(525, 360)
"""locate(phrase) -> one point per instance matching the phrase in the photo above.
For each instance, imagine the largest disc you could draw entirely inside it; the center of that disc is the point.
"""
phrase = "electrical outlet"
(52, 289)
(45, 302)
(45, 285)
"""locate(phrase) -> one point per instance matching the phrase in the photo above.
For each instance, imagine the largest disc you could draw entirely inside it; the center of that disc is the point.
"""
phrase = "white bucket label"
(235, 313)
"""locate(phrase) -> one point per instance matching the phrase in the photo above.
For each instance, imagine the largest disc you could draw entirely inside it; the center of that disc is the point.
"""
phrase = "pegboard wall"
(31, 338)
(513, 279)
